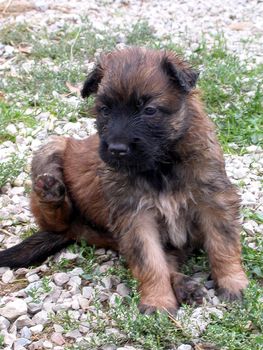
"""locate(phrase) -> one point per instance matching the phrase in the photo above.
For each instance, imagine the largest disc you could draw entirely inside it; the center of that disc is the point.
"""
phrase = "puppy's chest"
(171, 211)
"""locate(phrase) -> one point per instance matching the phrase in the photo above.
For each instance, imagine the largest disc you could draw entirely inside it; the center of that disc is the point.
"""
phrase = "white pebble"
(14, 309)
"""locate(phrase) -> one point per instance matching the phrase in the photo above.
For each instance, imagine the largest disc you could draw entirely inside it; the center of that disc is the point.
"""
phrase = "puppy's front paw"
(188, 291)
(149, 309)
(226, 295)
(231, 287)
(149, 305)
(49, 189)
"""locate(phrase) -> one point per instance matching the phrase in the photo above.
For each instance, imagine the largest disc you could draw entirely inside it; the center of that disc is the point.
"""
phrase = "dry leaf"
(240, 26)
(2, 96)
(25, 49)
(73, 89)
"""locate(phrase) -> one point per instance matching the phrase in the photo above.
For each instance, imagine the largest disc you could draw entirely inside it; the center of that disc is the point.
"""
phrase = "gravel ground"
(26, 298)
(239, 20)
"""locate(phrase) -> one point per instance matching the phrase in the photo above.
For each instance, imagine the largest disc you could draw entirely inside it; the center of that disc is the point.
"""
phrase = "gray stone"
(87, 292)
(109, 347)
(75, 334)
(11, 129)
(58, 328)
(47, 344)
(26, 332)
(40, 318)
(34, 307)
(9, 338)
(57, 338)
(8, 276)
(215, 301)
(74, 281)
(249, 227)
(22, 341)
(123, 290)
(100, 251)
(211, 293)
(83, 302)
(75, 304)
(4, 323)
(106, 282)
(209, 284)
(37, 345)
(184, 347)
(37, 329)
(48, 306)
(76, 272)
(14, 309)
(60, 278)
(33, 278)
(113, 298)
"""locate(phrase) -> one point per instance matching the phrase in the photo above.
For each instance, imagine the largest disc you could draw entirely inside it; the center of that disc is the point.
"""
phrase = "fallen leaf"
(2, 96)
(238, 26)
(73, 89)
(25, 48)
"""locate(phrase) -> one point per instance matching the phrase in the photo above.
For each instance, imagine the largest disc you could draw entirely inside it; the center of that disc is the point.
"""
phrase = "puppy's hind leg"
(50, 203)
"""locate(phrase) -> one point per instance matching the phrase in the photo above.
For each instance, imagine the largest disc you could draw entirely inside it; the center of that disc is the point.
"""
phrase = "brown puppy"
(151, 183)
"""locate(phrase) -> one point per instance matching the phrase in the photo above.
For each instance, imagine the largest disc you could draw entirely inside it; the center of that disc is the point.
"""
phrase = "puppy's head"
(141, 102)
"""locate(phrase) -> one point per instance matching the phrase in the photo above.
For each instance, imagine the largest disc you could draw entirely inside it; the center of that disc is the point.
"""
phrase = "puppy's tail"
(34, 249)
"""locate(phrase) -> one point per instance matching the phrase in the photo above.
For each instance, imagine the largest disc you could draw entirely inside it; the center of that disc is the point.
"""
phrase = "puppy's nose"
(118, 149)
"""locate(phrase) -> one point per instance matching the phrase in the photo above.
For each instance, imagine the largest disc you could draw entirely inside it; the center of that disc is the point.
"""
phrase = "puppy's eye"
(150, 110)
(105, 111)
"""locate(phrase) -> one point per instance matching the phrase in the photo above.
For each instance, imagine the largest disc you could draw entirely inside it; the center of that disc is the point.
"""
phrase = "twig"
(177, 323)
(73, 44)
(6, 6)
(7, 232)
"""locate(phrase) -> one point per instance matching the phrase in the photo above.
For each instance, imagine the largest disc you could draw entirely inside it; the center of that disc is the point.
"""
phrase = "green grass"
(1, 341)
(66, 320)
(242, 325)
(231, 92)
(10, 169)
(12, 114)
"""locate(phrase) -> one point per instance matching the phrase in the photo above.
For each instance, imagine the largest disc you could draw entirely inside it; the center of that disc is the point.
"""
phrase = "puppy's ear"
(91, 84)
(179, 72)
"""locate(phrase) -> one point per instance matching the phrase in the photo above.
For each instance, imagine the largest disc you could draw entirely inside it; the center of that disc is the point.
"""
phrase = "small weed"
(36, 292)
(12, 114)
(65, 319)
(253, 258)
(2, 340)
(46, 284)
(141, 34)
(196, 262)
(124, 274)
(15, 35)
(253, 215)
(10, 170)
(86, 260)
(28, 233)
